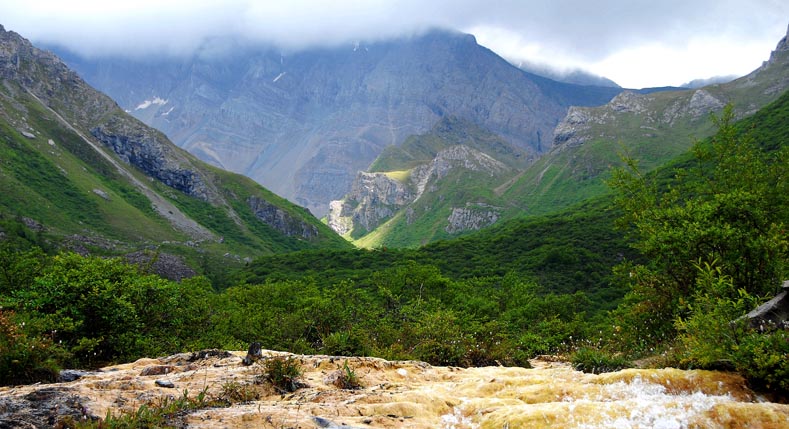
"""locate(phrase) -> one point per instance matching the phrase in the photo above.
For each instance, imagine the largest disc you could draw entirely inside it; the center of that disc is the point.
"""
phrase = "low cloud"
(575, 32)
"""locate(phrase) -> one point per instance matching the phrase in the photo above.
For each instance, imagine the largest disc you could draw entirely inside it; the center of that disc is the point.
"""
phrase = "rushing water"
(416, 395)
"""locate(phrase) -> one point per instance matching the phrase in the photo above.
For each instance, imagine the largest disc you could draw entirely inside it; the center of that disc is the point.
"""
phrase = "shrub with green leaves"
(596, 361)
(25, 358)
(282, 373)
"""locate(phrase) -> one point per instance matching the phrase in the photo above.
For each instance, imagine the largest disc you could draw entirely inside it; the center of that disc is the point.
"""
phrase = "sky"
(636, 43)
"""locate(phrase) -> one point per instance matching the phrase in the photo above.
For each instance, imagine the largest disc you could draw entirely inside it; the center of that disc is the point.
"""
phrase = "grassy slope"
(568, 175)
(565, 177)
(54, 185)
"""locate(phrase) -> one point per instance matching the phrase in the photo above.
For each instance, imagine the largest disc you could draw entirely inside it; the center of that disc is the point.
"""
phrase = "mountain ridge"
(116, 171)
(653, 125)
(303, 124)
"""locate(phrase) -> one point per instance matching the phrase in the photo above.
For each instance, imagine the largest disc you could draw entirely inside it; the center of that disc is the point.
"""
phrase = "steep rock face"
(280, 220)
(140, 152)
(473, 217)
(374, 197)
(377, 197)
(303, 124)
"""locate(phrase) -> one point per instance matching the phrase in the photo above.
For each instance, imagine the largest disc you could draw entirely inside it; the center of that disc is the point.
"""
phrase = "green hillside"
(671, 294)
(78, 169)
(652, 127)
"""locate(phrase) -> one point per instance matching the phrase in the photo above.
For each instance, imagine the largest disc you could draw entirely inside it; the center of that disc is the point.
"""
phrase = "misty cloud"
(574, 32)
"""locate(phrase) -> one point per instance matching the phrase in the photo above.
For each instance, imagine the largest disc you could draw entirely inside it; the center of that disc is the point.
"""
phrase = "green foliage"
(763, 358)
(713, 330)
(164, 413)
(594, 361)
(234, 392)
(282, 373)
(86, 311)
(729, 209)
(25, 358)
(346, 378)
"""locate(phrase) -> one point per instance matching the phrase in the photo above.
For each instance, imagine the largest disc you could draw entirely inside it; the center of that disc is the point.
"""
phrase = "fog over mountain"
(304, 124)
(635, 43)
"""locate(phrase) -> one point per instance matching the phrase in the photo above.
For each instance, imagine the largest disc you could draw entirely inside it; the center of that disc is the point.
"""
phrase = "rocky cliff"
(304, 123)
(443, 177)
(280, 220)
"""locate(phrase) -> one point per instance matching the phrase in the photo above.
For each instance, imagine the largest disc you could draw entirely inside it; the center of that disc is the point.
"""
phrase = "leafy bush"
(25, 358)
(714, 327)
(282, 373)
(763, 358)
(233, 392)
(346, 378)
(345, 343)
(596, 361)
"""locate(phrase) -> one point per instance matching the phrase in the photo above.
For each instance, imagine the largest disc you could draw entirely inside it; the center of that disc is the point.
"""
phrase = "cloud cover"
(602, 36)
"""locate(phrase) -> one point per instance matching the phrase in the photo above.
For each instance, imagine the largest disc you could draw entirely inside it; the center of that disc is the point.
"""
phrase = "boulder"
(773, 313)
(253, 354)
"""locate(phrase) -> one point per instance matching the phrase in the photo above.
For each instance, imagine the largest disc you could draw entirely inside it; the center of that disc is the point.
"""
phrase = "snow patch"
(279, 76)
(168, 112)
(148, 103)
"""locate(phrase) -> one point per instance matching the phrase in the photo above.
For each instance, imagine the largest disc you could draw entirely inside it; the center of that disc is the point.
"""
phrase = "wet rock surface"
(396, 394)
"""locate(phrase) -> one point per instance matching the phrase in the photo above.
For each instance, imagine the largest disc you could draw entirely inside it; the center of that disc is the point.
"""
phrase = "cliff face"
(377, 197)
(281, 220)
(304, 124)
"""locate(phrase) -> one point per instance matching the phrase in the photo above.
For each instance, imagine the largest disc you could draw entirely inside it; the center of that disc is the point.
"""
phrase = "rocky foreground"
(403, 394)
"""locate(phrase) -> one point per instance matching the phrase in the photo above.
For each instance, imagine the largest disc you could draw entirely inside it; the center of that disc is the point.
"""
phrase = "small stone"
(157, 370)
(68, 375)
(165, 383)
(102, 194)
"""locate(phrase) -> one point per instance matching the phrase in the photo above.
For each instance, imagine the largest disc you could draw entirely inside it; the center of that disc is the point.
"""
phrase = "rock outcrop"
(164, 265)
(374, 198)
(473, 217)
(145, 152)
(279, 219)
(773, 313)
(377, 197)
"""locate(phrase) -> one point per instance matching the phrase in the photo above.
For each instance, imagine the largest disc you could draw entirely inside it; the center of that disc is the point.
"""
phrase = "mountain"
(575, 76)
(653, 127)
(435, 185)
(304, 123)
(74, 164)
(700, 83)
(394, 203)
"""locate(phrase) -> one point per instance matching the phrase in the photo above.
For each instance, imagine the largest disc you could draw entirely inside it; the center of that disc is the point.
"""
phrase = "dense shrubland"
(714, 238)
(708, 244)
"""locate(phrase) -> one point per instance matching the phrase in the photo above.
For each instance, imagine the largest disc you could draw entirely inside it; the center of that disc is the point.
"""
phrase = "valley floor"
(402, 394)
